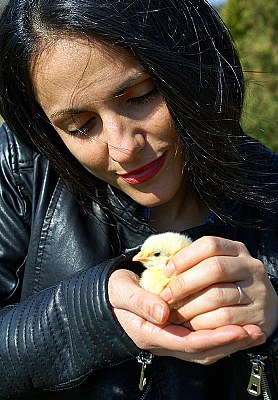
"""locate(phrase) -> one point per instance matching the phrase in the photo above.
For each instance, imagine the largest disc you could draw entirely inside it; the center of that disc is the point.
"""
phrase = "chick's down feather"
(155, 253)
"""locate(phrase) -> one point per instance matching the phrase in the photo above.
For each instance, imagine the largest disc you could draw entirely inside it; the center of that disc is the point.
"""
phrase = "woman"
(126, 115)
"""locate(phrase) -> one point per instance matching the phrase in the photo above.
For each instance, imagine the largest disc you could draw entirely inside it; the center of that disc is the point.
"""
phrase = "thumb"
(125, 293)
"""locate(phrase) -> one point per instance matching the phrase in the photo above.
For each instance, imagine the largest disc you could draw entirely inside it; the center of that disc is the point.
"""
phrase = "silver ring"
(240, 292)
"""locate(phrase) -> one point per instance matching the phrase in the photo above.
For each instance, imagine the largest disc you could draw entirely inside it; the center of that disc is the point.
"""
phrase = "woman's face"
(111, 117)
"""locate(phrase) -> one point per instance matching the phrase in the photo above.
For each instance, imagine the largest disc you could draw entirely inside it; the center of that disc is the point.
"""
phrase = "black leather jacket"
(58, 336)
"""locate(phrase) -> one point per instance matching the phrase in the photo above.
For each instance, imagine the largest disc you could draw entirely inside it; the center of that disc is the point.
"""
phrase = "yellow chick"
(155, 253)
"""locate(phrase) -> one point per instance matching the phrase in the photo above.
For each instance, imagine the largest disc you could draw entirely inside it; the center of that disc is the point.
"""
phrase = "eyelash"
(81, 132)
(145, 98)
(140, 100)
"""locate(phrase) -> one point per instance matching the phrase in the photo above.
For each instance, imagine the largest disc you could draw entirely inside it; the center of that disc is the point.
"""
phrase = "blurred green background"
(254, 27)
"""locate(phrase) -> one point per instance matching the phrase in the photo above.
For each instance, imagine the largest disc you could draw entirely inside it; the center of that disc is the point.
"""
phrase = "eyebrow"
(118, 92)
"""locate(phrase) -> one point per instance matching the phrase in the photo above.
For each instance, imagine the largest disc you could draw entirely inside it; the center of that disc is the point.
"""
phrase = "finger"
(207, 357)
(201, 249)
(170, 338)
(204, 346)
(209, 299)
(208, 272)
(177, 338)
(234, 315)
(125, 293)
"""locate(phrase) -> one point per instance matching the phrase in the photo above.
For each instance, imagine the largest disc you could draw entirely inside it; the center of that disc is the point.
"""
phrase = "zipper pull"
(144, 359)
(255, 382)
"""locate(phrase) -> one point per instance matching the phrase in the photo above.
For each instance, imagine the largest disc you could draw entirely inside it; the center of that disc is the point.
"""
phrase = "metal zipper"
(147, 389)
(258, 383)
(145, 359)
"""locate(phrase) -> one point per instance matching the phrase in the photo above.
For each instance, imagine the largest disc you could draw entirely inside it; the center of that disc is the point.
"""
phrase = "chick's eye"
(157, 254)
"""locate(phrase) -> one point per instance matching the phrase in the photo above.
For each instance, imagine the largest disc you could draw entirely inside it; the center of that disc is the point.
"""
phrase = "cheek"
(166, 128)
(92, 155)
(94, 163)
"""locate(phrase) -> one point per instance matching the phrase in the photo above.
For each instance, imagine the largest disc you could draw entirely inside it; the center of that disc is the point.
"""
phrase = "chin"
(151, 199)
(154, 194)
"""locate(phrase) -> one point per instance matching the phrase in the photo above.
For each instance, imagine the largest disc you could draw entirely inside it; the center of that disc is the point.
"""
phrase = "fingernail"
(260, 337)
(157, 313)
(166, 294)
(169, 269)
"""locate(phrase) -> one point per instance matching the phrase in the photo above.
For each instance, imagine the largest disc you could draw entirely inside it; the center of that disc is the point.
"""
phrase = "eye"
(84, 130)
(141, 100)
(157, 254)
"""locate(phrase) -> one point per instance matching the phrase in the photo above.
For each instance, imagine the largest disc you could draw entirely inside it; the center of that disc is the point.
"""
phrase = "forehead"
(68, 67)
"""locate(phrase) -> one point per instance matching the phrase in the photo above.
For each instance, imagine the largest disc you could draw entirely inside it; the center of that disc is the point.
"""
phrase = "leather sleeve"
(55, 338)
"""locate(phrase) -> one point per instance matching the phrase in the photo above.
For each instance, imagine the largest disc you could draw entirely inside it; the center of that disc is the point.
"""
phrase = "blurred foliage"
(254, 27)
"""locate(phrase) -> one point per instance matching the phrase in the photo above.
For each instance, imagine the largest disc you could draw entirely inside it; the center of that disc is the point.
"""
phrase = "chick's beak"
(140, 257)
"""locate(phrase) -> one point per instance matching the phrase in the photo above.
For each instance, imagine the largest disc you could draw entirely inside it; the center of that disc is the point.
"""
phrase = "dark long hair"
(190, 55)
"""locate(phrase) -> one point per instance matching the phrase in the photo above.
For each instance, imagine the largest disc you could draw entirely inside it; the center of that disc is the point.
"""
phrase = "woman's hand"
(207, 274)
(144, 317)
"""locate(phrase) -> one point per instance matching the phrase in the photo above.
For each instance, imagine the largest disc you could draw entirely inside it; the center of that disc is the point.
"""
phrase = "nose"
(123, 136)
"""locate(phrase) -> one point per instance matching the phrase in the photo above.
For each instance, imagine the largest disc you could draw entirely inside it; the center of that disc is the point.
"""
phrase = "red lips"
(143, 174)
